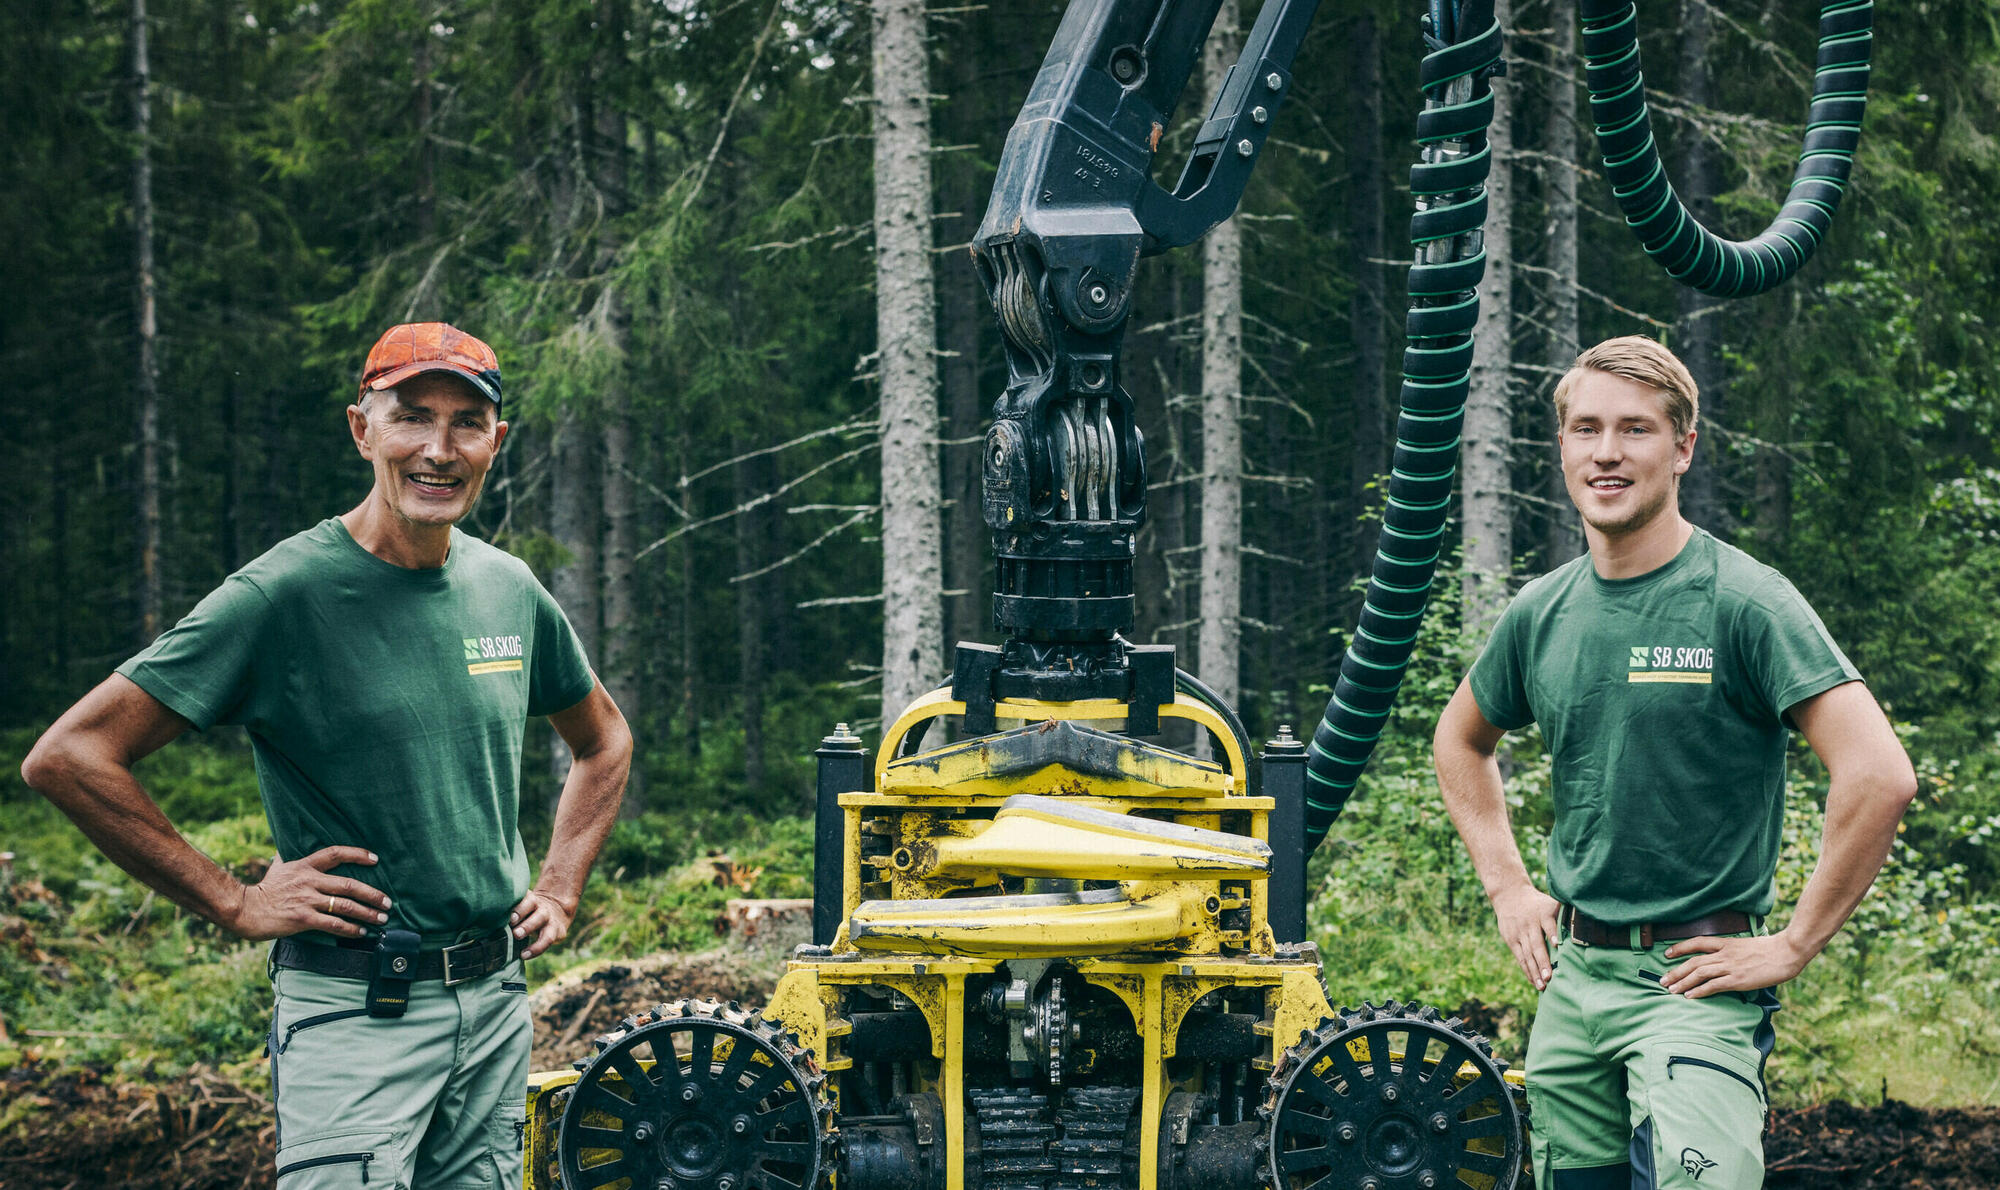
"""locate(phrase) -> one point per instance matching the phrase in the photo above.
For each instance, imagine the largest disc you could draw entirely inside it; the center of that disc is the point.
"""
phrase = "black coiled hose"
(1691, 253)
(1450, 187)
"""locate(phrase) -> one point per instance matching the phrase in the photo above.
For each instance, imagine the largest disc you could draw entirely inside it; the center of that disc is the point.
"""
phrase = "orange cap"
(403, 351)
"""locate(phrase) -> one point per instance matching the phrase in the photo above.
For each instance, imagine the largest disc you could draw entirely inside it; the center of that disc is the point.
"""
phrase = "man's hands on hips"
(303, 894)
(1528, 925)
(1732, 964)
(540, 921)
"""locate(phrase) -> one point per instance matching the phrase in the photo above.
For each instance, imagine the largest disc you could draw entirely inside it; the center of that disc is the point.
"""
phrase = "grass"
(94, 971)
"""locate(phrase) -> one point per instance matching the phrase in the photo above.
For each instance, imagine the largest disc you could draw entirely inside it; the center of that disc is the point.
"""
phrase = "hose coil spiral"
(1446, 231)
(1691, 253)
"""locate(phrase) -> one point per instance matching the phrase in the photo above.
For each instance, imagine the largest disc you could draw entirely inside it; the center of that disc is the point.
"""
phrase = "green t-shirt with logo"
(1662, 702)
(386, 708)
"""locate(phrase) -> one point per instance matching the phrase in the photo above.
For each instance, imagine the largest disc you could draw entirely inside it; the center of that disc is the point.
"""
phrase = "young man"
(385, 665)
(1665, 669)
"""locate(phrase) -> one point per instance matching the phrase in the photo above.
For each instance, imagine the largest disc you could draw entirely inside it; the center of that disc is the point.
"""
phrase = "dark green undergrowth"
(96, 971)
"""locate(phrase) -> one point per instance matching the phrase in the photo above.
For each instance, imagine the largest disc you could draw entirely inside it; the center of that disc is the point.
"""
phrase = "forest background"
(666, 218)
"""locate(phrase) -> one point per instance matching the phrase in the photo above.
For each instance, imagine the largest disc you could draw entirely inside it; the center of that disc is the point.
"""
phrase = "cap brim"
(396, 376)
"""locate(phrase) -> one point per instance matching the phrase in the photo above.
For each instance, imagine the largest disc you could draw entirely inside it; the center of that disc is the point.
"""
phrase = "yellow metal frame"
(1158, 994)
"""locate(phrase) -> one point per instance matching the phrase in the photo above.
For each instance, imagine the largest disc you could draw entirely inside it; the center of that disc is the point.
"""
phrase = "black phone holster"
(395, 967)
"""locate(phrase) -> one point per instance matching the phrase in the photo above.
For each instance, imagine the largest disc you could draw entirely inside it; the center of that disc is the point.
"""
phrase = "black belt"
(1592, 932)
(475, 958)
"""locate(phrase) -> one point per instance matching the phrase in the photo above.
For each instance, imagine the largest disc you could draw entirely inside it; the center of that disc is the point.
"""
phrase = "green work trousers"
(435, 1099)
(1632, 1087)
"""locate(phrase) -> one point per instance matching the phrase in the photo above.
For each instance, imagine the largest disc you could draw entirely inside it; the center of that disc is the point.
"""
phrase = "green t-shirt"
(1662, 701)
(386, 708)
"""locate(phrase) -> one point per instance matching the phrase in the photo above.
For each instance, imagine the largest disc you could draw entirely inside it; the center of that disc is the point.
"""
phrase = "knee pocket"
(1705, 1112)
(341, 1161)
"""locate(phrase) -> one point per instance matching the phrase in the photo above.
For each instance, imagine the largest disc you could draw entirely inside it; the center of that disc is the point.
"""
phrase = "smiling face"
(1621, 459)
(431, 440)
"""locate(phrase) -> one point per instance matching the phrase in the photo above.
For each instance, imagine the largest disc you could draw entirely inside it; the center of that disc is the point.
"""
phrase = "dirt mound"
(72, 1128)
(1838, 1146)
(573, 1010)
(64, 1130)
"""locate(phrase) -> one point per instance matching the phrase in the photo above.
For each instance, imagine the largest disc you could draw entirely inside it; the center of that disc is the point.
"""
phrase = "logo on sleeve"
(1692, 665)
(492, 654)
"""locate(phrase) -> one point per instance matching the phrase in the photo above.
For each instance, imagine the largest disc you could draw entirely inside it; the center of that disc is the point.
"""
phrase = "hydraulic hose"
(1691, 253)
(1449, 184)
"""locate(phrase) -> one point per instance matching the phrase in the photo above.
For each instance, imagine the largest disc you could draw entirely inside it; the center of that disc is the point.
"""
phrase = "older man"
(385, 665)
(1665, 669)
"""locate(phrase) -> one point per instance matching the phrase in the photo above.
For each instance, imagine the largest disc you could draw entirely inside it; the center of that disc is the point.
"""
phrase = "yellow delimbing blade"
(1043, 837)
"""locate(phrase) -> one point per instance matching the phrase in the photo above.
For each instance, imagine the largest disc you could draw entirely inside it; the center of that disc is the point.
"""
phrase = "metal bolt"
(740, 1125)
(1346, 1132)
(1440, 1123)
(1274, 80)
(728, 1182)
(1099, 295)
(666, 1184)
(1244, 148)
(1427, 1180)
(642, 1131)
(1260, 114)
(690, 1093)
(1390, 1094)
(1370, 1184)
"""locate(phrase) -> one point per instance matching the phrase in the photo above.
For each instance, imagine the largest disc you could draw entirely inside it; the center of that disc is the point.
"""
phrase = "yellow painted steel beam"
(1046, 837)
(940, 703)
(1104, 921)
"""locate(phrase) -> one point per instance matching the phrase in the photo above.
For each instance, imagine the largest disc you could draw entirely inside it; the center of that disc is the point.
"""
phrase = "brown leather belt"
(473, 959)
(1592, 932)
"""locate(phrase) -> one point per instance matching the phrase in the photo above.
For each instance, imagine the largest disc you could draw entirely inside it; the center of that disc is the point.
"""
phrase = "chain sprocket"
(1391, 1098)
(697, 1095)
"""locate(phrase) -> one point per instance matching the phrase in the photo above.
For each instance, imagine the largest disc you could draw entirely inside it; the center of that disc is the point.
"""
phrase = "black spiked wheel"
(695, 1095)
(1392, 1098)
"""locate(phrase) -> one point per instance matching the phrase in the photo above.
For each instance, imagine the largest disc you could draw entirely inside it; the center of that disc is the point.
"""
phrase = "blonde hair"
(1642, 361)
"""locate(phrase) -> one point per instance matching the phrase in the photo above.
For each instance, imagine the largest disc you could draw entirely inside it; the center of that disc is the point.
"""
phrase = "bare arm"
(1468, 774)
(83, 764)
(601, 746)
(1871, 782)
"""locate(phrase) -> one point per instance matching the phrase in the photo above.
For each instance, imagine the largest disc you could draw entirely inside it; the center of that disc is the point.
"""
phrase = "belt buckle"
(473, 952)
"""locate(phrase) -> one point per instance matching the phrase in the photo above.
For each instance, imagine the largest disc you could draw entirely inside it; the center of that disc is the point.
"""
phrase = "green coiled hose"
(1450, 187)
(1691, 253)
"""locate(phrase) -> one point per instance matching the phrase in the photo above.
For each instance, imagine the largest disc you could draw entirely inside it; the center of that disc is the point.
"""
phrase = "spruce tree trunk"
(1697, 336)
(1221, 416)
(1565, 535)
(1488, 482)
(147, 381)
(1367, 308)
(573, 522)
(906, 337)
(754, 529)
(623, 657)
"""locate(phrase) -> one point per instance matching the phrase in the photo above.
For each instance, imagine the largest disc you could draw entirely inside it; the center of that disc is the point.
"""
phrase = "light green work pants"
(435, 1099)
(1632, 1087)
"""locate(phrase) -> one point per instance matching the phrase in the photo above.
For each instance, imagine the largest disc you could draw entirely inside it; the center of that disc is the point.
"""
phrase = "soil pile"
(70, 1129)
(1838, 1146)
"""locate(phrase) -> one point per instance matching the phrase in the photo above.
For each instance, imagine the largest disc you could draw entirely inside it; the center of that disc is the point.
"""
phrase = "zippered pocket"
(324, 1018)
(513, 985)
(1684, 1060)
(331, 1159)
